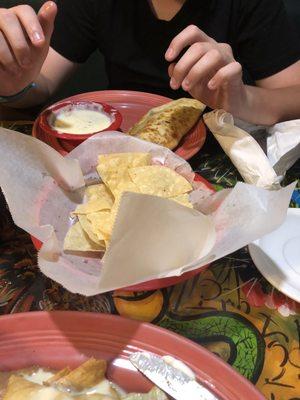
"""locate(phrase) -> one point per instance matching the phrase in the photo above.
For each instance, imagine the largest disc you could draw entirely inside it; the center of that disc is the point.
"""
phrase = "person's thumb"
(46, 17)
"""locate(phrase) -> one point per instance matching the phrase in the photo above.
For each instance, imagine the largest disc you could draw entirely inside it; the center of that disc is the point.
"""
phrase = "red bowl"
(59, 339)
(68, 140)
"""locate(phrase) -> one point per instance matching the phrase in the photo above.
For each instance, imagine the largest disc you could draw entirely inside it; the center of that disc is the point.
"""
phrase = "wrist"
(18, 95)
(244, 104)
(247, 105)
(260, 106)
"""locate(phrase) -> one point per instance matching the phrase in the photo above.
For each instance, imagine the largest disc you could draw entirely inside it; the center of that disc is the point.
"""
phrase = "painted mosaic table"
(229, 308)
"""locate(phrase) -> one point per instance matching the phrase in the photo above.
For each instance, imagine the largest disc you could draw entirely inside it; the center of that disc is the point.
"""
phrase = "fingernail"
(49, 5)
(170, 53)
(26, 61)
(186, 84)
(173, 83)
(37, 36)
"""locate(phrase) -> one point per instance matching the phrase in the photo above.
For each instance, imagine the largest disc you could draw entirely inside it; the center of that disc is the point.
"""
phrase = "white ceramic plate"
(277, 255)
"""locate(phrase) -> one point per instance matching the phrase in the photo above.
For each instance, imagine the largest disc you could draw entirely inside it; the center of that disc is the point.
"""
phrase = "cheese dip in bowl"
(72, 122)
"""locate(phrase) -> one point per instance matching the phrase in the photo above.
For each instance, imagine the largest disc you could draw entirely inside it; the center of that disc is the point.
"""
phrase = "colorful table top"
(229, 308)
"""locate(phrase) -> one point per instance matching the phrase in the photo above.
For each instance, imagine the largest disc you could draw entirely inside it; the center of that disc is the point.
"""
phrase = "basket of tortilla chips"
(92, 221)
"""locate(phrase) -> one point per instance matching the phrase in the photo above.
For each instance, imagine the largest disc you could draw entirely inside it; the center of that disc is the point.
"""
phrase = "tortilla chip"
(88, 228)
(154, 394)
(124, 160)
(113, 168)
(182, 199)
(96, 396)
(85, 376)
(57, 376)
(19, 388)
(167, 124)
(159, 181)
(93, 206)
(125, 186)
(77, 240)
(102, 224)
(98, 191)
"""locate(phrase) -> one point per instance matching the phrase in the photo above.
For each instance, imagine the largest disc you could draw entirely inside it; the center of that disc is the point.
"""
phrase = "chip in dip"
(120, 172)
(86, 382)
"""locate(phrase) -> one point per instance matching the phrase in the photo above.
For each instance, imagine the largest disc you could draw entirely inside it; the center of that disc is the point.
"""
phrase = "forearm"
(269, 106)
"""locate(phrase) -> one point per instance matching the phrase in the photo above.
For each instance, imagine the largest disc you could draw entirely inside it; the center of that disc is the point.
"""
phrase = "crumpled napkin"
(281, 142)
(283, 145)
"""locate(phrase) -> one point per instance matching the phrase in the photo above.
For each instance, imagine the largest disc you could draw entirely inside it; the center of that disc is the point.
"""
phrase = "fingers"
(8, 61)
(187, 61)
(21, 28)
(13, 32)
(229, 73)
(21, 32)
(204, 69)
(30, 24)
(171, 69)
(187, 37)
(46, 17)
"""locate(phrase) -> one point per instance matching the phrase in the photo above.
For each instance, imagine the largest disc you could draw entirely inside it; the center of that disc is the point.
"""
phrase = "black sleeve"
(74, 35)
(266, 40)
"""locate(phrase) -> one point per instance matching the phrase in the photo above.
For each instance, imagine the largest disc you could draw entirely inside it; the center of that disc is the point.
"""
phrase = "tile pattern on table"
(229, 308)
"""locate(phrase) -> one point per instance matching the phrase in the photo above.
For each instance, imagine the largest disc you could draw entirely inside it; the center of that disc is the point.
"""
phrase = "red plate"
(60, 339)
(132, 105)
(155, 284)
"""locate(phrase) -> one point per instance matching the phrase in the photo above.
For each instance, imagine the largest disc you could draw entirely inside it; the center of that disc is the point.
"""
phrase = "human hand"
(24, 44)
(207, 70)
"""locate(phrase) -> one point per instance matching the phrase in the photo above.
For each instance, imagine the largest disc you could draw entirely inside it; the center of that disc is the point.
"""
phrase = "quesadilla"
(167, 124)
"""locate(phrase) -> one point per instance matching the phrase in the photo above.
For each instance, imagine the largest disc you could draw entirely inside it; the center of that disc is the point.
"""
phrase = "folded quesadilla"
(167, 124)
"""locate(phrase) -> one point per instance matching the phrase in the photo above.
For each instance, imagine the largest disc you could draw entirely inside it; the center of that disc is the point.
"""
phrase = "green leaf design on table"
(246, 344)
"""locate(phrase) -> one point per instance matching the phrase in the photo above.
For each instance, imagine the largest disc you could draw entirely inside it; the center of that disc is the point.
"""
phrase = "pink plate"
(132, 106)
(60, 339)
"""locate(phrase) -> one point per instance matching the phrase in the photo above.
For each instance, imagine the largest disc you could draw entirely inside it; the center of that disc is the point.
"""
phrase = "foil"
(171, 380)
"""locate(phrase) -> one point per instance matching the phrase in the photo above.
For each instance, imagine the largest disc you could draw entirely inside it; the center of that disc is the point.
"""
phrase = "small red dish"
(71, 140)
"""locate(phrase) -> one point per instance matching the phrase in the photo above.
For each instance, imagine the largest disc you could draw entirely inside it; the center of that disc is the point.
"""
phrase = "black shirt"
(133, 41)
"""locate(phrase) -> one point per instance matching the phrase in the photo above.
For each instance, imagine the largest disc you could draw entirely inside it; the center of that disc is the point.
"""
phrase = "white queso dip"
(80, 120)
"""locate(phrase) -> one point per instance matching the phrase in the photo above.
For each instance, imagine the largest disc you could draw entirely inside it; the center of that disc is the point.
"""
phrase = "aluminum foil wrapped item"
(281, 143)
(243, 150)
(152, 237)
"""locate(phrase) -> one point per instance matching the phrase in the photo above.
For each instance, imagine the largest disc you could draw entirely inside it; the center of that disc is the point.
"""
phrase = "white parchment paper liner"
(153, 237)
